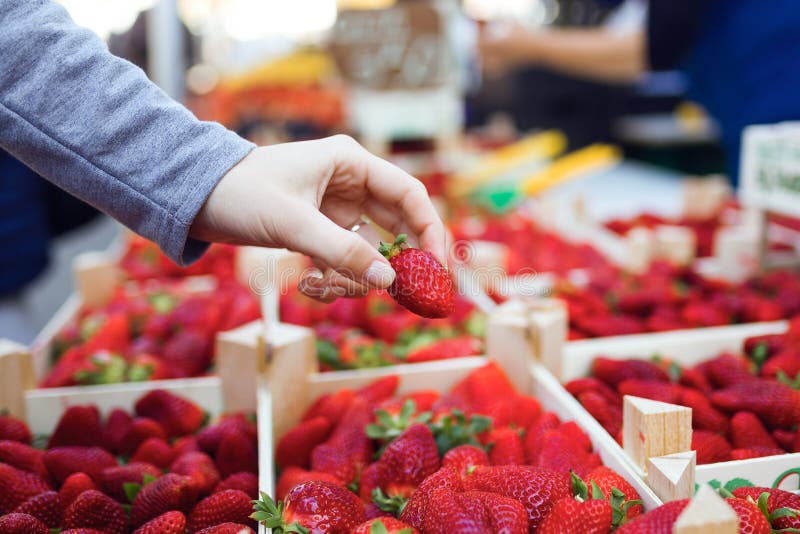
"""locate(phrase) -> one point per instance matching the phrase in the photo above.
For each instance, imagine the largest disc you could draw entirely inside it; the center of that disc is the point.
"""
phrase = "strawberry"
(186, 444)
(413, 511)
(61, 462)
(506, 447)
(74, 485)
(536, 489)
(726, 370)
(331, 406)
(405, 463)
(117, 425)
(175, 414)
(320, 507)
(82, 531)
(464, 457)
(92, 509)
(227, 528)
(751, 519)
(651, 389)
(13, 429)
(145, 366)
(533, 436)
(348, 312)
(755, 452)
(560, 454)
(607, 479)
(610, 325)
(422, 284)
(748, 432)
(372, 511)
(384, 525)
(245, 482)
(188, 352)
(154, 451)
(140, 430)
(392, 326)
(691, 377)
(784, 439)
(786, 362)
(211, 436)
(658, 521)
(711, 448)
(237, 452)
(612, 372)
(18, 486)
(776, 404)
(704, 415)
(47, 507)
(166, 493)
(444, 349)
(473, 511)
(776, 499)
(292, 476)
(229, 506)
(200, 468)
(78, 426)
(348, 450)
(581, 385)
(105, 332)
(379, 390)
(23, 457)
(571, 430)
(570, 516)
(704, 314)
(113, 479)
(17, 523)
(608, 415)
(173, 522)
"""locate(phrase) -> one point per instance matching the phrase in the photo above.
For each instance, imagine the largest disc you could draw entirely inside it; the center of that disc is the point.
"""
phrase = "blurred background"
(435, 85)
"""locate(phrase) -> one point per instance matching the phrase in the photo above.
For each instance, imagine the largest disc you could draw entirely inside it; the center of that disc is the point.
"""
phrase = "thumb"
(350, 255)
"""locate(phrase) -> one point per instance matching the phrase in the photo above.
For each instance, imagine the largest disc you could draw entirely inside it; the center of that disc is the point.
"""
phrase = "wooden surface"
(707, 513)
(16, 375)
(96, 277)
(672, 477)
(651, 428)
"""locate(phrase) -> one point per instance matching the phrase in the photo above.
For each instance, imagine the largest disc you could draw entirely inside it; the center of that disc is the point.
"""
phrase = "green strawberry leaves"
(390, 426)
(271, 516)
(456, 429)
(132, 489)
(393, 505)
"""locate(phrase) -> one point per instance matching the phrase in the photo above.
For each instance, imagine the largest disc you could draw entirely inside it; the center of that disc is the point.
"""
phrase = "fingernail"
(379, 274)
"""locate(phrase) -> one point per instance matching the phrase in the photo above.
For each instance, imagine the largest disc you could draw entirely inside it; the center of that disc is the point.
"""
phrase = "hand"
(505, 46)
(302, 196)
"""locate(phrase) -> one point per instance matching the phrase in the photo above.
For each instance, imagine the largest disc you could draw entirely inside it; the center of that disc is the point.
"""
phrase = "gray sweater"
(94, 125)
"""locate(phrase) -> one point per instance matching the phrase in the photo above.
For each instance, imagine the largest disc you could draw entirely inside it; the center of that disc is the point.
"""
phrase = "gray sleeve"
(94, 125)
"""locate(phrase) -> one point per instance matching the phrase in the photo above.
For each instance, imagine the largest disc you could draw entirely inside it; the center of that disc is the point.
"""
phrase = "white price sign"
(770, 168)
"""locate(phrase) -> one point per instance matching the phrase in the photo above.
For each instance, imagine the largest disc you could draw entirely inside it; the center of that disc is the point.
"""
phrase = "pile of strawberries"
(667, 297)
(481, 458)
(759, 510)
(529, 246)
(157, 471)
(144, 260)
(376, 331)
(743, 406)
(704, 228)
(149, 330)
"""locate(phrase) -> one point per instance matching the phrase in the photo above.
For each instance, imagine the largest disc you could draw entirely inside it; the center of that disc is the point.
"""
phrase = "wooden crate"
(290, 384)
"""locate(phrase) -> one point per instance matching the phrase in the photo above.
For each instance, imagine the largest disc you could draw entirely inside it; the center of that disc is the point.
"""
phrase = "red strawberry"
(388, 327)
(407, 461)
(292, 476)
(372, 511)
(211, 436)
(608, 415)
(186, 444)
(175, 414)
(331, 406)
(109, 333)
(295, 447)
(651, 389)
(473, 511)
(711, 447)
(13, 429)
(18, 486)
(237, 452)
(786, 362)
(612, 372)
(246, 482)
(379, 390)
(755, 452)
(704, 415)
(533, 436)
(63, 461)
(581, 385)
(22, 524)
(92, 509)
(506, 447)
(78, 426)
(227, 528)
(140, 430)
(572, 431)
(445, 349)
(144, 367)
(47, 507)
(117, 425)
(167, 523)
(348, 450)
(658, 521)
(726, 370)
(166, 493)
(422, 284)
(113, 479)
(23, 457)
(320, 507)
(776, 404)
(82, 531)
(560, 454)
(388, 525)
(692, 378)
(74, 485)
(229, 506)
(188, 353)
(570, 516)
(748, 432)
(484, 387)
(416, 507)
(777, 499)
(784, 439)
(607, 479)
(154, 451)
(464, 457)
(200, 468)
(769, 344)
(536, 489)
(751, 519)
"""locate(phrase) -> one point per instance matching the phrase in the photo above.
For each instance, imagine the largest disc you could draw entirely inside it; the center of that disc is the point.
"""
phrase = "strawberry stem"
(390, 251)
(271, 515)
(394, 504)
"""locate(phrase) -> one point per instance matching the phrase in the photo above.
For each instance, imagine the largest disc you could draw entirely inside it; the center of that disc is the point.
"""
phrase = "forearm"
(94, 125)
(595, 54)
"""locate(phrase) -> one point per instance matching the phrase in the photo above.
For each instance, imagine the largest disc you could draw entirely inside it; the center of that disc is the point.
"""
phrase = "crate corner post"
(707, 512)
(672, 477)
(16, 376)
(652, 429)
(96, 276)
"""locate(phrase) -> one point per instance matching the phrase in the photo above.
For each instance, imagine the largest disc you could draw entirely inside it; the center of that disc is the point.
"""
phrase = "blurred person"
(94, 125)
(741, 58)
